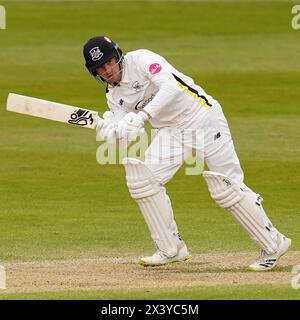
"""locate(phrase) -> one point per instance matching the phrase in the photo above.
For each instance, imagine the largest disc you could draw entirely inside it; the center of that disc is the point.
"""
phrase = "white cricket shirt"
(149, 82)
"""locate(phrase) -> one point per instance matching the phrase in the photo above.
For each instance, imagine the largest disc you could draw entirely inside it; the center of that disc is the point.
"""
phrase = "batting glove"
(106, 128)
(130, 126)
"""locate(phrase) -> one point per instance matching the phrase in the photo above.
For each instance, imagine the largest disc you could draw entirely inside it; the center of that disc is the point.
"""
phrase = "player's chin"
(112, 81)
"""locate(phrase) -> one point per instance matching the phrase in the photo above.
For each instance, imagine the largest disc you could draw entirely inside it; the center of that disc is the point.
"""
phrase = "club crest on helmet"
(96, 53)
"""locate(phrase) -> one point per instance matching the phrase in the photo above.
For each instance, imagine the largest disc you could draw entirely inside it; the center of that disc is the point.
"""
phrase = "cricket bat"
(52, 110)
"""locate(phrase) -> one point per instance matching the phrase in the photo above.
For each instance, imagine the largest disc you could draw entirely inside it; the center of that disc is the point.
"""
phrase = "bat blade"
(51, 110)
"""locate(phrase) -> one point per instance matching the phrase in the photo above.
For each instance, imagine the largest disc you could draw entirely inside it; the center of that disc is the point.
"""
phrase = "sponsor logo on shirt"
(142, 104)
(155, 68)
(137, 86)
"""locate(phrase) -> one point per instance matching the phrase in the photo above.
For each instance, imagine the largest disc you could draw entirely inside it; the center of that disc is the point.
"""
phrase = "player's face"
(110, 71)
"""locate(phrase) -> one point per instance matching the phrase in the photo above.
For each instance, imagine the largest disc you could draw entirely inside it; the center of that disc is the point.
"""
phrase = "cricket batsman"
(142, 86)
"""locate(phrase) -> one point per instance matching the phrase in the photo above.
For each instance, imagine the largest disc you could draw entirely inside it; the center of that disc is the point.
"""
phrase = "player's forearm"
(164, 98)
(168, 92)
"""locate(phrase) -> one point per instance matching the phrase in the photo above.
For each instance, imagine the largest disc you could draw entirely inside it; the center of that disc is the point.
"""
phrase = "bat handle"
(99, 120)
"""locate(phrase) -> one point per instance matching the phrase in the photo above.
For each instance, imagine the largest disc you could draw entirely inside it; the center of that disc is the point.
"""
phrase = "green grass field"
(57, 203)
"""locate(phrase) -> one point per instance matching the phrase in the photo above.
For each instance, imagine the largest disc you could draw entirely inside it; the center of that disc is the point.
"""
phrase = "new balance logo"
(228, 183)
(217, 136)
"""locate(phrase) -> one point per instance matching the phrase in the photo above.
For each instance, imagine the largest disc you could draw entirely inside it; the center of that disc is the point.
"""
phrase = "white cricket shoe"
(159, 258)
(267, 261)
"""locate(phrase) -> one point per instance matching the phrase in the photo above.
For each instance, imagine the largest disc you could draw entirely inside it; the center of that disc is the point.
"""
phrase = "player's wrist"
(144, 115)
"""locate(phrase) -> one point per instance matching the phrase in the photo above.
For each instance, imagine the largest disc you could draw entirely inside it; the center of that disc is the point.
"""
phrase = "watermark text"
(167, 149)
(2, 18)
(296, 18)
(295, 282)
(2, 278)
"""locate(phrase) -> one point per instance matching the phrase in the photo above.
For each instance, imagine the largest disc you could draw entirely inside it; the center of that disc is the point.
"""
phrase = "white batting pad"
(248, 212)
(153, 203)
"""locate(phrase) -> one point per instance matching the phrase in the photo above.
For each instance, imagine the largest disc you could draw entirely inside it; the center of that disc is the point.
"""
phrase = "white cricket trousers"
(211, 139)
(208, 137)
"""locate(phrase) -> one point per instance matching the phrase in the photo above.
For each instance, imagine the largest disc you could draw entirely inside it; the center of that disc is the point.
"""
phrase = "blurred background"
(57, 202)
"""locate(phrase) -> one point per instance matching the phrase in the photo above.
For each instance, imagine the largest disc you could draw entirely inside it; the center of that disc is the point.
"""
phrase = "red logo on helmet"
(155, 68)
